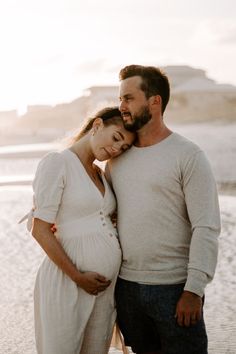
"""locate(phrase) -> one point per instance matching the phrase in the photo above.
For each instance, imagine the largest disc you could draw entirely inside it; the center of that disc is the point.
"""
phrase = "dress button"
(103, 224)
(101, 213)
(111, 235)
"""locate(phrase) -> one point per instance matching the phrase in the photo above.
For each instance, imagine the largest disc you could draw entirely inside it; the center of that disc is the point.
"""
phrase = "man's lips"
(126, 115)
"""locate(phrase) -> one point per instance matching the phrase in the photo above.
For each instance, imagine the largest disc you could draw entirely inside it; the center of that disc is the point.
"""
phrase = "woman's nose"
(117, 147)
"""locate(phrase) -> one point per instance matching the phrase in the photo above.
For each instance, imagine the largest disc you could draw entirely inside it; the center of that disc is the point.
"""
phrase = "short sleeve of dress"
(48, 186)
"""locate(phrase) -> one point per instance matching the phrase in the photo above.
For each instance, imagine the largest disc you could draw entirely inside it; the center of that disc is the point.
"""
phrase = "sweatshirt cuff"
(196, 282)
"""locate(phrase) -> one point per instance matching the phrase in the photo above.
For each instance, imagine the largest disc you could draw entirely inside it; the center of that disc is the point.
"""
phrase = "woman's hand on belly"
(92, 282)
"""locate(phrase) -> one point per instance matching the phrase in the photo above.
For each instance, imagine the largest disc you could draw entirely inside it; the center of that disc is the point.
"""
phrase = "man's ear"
(155, 100)
(155, 103)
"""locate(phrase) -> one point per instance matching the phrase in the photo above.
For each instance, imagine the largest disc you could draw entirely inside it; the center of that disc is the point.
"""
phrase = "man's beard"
(138, 120)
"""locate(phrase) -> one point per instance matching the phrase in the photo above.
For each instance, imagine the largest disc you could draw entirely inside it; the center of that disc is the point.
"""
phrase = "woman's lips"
(107, 152)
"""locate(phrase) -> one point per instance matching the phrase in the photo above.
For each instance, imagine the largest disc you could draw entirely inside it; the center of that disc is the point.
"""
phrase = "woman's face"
(110, 141)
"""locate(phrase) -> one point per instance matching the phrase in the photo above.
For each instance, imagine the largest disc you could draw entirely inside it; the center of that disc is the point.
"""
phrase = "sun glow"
(21, 109)
(51, 51)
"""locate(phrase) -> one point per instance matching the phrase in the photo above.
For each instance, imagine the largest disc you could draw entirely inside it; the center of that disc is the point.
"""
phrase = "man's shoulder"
(185, 145)
(119, 159)
(184, 141)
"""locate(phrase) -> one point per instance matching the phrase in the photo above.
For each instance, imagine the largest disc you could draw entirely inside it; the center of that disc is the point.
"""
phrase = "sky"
(51, 50)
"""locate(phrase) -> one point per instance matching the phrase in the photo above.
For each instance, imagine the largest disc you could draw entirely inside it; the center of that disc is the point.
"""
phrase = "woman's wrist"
(78, 277)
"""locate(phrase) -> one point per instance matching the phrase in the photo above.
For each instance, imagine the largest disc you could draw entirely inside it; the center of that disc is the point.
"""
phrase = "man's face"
(134, 105)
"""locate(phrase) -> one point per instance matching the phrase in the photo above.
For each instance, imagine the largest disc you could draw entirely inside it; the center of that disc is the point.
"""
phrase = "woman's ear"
(97, 124)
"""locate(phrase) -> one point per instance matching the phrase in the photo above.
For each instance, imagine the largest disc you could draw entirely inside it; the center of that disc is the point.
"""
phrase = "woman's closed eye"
(116, 137)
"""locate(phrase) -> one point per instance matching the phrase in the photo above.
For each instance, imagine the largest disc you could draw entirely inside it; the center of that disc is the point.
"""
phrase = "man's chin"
(130, 127)
(133, 127)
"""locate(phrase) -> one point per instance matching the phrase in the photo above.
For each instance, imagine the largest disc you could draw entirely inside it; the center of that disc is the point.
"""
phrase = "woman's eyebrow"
(121, 135)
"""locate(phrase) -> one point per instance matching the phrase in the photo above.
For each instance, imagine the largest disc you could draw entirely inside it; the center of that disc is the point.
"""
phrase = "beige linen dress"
(67, 319)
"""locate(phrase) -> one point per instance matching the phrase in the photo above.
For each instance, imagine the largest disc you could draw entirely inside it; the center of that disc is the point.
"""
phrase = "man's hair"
(154, 81)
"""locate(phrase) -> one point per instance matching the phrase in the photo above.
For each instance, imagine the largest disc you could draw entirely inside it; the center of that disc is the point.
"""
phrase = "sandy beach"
(20, 257)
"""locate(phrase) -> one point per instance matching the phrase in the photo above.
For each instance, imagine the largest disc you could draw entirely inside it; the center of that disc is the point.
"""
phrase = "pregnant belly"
(98, 253)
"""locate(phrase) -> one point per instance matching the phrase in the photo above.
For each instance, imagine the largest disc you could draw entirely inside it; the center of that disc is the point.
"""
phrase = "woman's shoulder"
(53, 160)
(56, 155)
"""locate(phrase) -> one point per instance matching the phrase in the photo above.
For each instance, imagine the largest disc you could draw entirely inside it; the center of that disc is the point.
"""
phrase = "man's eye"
(115, 138)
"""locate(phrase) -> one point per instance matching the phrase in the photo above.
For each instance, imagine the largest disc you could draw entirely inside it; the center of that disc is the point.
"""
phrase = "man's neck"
(152, 133)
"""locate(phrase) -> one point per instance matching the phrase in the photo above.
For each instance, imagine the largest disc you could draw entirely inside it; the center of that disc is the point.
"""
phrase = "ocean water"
(218, 142)
(18, 166)
(19, 162)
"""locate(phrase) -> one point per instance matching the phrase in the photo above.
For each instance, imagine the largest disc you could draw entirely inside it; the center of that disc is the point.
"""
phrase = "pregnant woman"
(74, 302)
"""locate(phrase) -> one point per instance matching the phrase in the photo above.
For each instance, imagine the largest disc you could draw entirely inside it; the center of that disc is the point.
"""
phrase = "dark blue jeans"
(145, 314)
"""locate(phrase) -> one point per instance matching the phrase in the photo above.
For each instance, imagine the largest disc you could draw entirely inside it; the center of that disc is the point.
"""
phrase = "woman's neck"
(83, 150)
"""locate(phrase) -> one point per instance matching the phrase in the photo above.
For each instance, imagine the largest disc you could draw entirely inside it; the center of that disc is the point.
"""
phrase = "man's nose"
(122, 106)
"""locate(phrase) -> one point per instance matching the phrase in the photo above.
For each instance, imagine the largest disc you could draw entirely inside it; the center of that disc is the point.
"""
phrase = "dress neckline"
(103, 179)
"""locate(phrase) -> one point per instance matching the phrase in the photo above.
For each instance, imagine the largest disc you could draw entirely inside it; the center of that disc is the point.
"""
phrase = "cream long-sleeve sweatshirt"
(168, 214)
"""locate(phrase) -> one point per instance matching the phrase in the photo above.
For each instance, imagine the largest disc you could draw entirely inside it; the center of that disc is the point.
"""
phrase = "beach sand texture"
(20, 257)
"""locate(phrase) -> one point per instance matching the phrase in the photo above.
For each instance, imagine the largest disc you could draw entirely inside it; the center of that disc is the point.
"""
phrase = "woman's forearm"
(44, 236)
